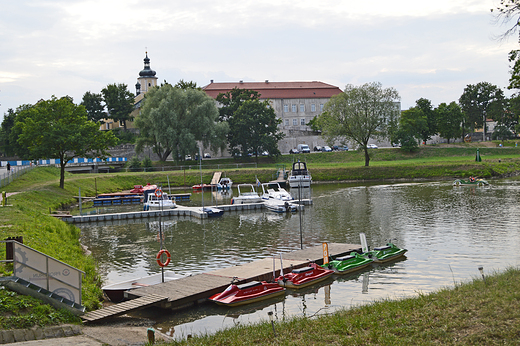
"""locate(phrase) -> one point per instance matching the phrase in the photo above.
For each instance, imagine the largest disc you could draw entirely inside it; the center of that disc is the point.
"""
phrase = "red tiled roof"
(277, 90)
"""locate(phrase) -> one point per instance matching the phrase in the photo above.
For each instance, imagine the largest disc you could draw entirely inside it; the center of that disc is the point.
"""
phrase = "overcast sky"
(429, 49)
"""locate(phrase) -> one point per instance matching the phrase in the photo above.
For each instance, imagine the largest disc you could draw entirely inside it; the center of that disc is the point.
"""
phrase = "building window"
(286, 122)
(286, 108)
(294, 108)
(321, 107)
(302, 122)
(313, 107)
(302, 108)
(295, 122)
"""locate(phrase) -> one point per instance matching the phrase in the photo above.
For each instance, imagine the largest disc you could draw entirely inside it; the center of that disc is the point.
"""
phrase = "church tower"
(146, 78)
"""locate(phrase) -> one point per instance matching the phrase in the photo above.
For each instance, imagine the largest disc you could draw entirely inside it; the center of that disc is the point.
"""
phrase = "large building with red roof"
(295, 103)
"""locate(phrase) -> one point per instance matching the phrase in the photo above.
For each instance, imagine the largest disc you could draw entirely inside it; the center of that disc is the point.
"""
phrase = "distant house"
(295, 103)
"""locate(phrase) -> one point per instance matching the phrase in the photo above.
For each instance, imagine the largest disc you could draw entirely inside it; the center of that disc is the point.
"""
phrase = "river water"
(449, 232)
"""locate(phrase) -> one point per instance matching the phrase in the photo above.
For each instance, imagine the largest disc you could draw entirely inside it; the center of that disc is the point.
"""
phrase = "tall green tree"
(412, 125)
(119, 102)
(481, 101)
(359, 114)
(426, 108)
(93, 103)
(59, 129)
(449, 120)
(232, 100)
(255, 129)
(173, 119)
(6, 147)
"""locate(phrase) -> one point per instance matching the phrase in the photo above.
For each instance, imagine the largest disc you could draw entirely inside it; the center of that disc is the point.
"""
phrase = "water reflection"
(448, 231)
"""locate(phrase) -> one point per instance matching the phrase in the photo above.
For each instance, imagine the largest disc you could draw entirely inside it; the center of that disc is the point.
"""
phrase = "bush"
(134, 162)
(147, 162)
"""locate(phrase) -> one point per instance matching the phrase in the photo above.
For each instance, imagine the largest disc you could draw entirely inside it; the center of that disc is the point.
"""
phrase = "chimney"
(241, 81)
(267, 80)
(211, 81)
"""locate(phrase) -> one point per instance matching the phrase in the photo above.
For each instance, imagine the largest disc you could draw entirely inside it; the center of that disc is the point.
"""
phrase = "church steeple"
(146, 78)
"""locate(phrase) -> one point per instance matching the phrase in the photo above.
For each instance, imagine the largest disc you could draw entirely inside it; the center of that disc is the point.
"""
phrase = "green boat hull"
(462, 182)
(348, 264)
(386, 253)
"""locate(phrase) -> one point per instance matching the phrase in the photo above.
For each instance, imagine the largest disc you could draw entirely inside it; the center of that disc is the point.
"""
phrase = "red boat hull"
(247, 293)
(303, 277)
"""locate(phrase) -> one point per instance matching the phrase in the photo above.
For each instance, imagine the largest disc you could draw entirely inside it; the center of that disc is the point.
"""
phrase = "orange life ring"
(168, 258)
(158, 193)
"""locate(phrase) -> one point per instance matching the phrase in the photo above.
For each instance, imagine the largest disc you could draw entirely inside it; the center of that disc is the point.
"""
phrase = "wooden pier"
(198, 288)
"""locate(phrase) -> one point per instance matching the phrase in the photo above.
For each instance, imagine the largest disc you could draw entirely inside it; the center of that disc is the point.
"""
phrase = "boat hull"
(348, 264)
(304, 277)
(248, 293)
(385, 253)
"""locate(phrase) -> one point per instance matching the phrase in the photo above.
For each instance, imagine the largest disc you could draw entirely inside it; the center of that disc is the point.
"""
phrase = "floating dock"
(181, 211)
(196, 289)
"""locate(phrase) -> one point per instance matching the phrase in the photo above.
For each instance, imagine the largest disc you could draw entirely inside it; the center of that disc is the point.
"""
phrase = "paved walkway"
(80, 335)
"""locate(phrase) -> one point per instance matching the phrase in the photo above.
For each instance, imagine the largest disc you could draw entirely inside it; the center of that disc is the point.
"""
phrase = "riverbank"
(39, 195)
(481, 312)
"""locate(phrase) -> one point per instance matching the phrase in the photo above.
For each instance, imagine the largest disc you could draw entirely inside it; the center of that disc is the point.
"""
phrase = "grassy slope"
(476, 313)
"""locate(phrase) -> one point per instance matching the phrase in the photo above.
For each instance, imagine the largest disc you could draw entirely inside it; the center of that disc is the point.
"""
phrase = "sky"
(423, 49)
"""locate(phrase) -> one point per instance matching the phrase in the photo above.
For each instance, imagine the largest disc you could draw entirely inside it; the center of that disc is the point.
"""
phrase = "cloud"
(431, 50)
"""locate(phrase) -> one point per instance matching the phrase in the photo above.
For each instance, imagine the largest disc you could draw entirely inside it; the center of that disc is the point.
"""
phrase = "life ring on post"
(168, 258)
(158, 193)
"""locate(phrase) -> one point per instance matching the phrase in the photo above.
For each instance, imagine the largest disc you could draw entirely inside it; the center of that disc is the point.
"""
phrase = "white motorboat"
(275, 191)
(300, 175)
(158, 200)
(279, 206)
(115, 292)
(246, 194)
(225, 184)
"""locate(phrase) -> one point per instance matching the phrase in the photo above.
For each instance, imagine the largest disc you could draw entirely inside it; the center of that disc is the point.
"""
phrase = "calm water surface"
(448, 231)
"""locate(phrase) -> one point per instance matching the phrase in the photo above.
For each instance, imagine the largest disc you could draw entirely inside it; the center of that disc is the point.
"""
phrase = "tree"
(412, 125)
(119, 102)
(172, 120)
(425, 107)
(94, 106)
(232, 100)
(255, 129)
(6, 147)
(449, 120)
(510, 10)
(360, 113)
(59, 129)
(481, 101)
(252, 128)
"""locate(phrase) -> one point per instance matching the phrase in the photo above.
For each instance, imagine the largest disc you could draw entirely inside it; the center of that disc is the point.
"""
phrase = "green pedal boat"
(348, 264)
(381, 254)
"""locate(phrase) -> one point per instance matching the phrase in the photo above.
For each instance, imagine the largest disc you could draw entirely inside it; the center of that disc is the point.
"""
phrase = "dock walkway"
(198, 288)
(183, 211)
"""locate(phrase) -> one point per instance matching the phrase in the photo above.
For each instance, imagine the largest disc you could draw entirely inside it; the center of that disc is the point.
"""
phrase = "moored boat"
(158, 200)
(115, 292)
(275, 191)
(381, 254)
(348, 264)
(300, 175)
(246, 194)
(200, 187)
(470, 182)
(212, 211)
(304, 276)
(225, 184)
(247, 293)
(279, 206)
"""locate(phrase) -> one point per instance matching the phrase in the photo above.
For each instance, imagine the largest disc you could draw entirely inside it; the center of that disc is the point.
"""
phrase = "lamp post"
(270, 314)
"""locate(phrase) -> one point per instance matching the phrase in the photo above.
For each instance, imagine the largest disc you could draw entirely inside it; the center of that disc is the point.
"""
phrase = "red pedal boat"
(247, 293)
(303, 277)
